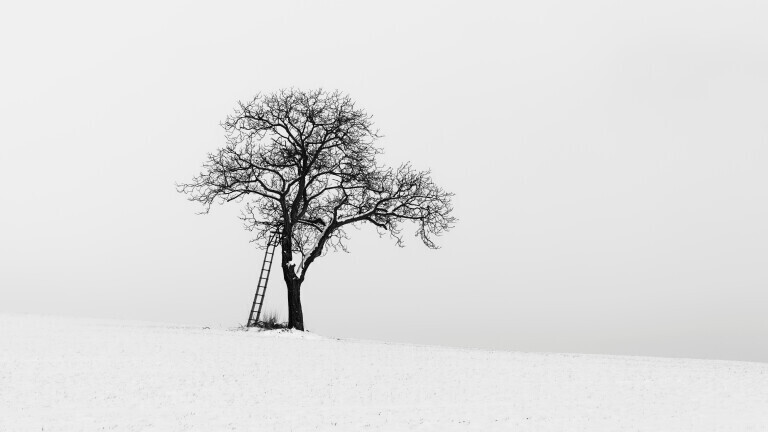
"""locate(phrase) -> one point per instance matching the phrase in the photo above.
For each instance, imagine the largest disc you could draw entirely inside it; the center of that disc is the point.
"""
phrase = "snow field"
(66, 374)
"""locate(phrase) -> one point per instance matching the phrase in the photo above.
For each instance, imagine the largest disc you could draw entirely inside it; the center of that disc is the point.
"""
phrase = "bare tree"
(305, 163)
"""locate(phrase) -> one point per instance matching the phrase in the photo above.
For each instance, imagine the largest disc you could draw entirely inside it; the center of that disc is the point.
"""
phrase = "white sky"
(608, 159)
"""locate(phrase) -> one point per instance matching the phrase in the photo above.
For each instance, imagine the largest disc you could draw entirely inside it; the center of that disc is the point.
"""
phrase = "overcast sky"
(609, 159)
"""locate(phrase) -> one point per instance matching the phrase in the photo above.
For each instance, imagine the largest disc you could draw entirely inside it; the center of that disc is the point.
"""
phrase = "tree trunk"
(295, 315)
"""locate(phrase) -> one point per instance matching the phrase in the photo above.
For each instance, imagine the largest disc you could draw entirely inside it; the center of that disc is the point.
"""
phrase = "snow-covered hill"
(65, 374)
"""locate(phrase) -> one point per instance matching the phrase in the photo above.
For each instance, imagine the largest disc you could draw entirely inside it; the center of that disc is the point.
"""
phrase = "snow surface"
(68, 374)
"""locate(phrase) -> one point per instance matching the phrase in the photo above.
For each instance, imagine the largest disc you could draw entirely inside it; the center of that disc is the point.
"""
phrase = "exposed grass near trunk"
(271, 321)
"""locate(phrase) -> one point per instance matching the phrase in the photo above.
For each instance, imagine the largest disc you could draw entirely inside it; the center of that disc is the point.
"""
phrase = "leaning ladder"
(261, 287)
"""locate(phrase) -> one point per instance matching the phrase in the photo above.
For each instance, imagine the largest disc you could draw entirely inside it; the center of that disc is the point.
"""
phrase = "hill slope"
(78, 374)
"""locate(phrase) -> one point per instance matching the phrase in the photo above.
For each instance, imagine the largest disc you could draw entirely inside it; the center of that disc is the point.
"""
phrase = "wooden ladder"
(261, 287)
